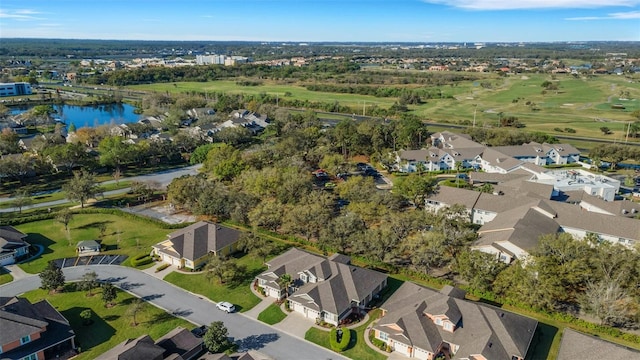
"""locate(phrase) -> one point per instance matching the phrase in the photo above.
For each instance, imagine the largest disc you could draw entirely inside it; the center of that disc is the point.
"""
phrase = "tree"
(133, 310)
(284, 281)
(224, 162)
(21, 198)
(268, 214)
(64, 217)
(81, 187)
(52, 277)
(609, 302)
(485, 188)
(9, 142)
(114, 152)
(216, 339)
(68, 156)
(479, 269)
(86, 316)
(216, 267)
(415, 188)
(88, 282)
(256, 245)
(109, 294)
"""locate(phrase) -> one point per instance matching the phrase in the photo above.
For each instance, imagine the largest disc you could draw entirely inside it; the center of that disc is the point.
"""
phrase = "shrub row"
(344, 342)
(140, 257)
(142, 261)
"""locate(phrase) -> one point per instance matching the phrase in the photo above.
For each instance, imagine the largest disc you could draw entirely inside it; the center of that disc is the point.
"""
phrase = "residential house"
(178, 344)
(190, 247)
(576, 345)
(33, 331)
(421, 323)
(324, 289)
(12, 245)
(88, 247)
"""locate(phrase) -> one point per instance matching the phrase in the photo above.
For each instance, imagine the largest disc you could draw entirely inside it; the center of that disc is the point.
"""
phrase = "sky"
(324, 20)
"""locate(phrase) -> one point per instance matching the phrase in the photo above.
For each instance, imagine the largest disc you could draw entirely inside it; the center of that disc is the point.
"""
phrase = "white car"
(226, 307)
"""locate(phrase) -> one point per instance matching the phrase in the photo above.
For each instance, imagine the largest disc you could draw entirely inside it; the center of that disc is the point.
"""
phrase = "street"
(248, 333)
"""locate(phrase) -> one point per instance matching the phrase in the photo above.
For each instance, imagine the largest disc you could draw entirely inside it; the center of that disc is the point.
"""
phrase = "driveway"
(248, 333)
(294, 324)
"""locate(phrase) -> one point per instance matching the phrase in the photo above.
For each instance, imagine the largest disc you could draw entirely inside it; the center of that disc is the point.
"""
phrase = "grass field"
(238, 294)
(272, 314)
(122, 236)
(110, 326)
(583, 104)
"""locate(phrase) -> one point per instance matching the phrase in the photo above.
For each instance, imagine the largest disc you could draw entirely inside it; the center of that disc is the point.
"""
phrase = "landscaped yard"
(359, 351)
(122, 235)
(110, 326)
(238, 294)
(272, 314)
(5, 277)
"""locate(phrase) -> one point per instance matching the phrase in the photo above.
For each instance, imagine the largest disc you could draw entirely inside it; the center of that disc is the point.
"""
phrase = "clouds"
(533, 4)
(20, 15)
(613, 16)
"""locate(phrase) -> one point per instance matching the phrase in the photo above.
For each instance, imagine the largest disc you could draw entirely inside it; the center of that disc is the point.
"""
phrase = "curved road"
(163, 178)
(248, 333)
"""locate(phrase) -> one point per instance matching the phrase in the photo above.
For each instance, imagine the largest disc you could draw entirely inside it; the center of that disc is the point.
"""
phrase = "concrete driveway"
(294, 324)
(249, 334)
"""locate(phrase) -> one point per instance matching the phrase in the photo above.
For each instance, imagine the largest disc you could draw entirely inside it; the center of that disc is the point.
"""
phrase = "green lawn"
(238, 294)
(111, 326)
(5, 277)
(360, 350)
(272, 314)
(122, 236)
(59, 195)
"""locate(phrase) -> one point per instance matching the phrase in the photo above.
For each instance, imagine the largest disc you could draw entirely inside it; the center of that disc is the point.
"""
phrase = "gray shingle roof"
(576, 345)
(197, 240)
(451, 196)
(498, 159)
(484, 329)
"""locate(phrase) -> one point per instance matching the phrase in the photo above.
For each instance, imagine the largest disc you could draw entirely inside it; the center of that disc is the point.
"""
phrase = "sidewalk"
(264, 303)
(160, 274)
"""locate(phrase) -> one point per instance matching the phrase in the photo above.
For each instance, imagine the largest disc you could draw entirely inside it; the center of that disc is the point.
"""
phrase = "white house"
(12, 245)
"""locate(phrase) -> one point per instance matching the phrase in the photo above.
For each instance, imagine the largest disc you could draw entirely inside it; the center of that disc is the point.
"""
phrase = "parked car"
(226, 307)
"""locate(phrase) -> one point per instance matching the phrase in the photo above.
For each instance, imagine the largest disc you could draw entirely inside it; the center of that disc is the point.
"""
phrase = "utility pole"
(364, 108)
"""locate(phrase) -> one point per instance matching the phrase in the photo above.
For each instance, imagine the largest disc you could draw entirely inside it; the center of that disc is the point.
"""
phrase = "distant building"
(15, 89)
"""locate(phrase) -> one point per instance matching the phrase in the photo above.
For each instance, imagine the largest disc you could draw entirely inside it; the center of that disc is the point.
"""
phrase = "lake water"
(91, 116)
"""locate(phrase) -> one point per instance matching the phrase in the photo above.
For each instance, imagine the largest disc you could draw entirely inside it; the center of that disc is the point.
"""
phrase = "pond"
(90, 116)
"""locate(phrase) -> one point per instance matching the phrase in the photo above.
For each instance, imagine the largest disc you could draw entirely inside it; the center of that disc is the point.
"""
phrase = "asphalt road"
(250, 334)
(163, 178)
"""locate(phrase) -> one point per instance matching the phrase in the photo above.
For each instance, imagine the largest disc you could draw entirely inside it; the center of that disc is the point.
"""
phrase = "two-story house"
(33, 331)
(421, 323)
(323, 289)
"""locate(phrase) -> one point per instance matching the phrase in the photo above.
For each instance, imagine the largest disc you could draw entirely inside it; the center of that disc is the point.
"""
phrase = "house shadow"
(542, 341)
(88, 336)
(45, 242)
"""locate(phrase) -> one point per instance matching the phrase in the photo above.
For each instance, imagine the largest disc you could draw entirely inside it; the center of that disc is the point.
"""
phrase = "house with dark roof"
(421, 323)
(190, 247)
(325, 289)
(576, 345)
(178, 344)
(33, 331)
(12, 245)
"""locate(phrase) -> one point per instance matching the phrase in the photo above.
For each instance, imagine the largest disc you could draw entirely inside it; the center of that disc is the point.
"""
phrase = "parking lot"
(91, 260)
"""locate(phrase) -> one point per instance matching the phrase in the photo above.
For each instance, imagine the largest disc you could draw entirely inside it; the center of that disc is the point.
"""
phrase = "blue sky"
(324, 20)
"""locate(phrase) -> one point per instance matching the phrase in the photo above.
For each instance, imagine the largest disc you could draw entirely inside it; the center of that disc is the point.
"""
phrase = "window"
(31, 357)
(438, 321)
(303, 277)
(383, 336)
(25, 339)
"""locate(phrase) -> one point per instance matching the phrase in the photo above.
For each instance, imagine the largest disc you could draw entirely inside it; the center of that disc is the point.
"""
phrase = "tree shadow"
(95, 224)
(542, 341)
(111, 317)
(129, 286)
(88, 336)
(151, 297)
(255, 342)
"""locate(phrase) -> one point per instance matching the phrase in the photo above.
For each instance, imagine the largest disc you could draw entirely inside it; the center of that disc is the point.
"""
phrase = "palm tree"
(284, 281)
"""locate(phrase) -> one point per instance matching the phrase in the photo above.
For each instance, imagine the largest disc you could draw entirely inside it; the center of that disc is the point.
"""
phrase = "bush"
(142, 261)
(570, 130)
(344, 341)
(162, 267)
